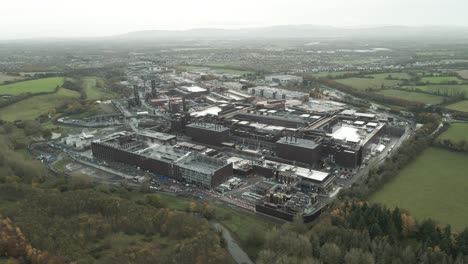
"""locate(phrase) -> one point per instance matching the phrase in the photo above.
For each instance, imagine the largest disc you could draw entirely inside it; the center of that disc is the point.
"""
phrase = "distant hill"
(303, 31)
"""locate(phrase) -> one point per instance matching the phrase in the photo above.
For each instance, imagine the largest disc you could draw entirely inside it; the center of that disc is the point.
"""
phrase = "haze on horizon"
(25, 19)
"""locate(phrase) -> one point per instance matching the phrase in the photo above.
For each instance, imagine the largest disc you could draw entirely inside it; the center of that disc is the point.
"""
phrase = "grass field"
(434, 185)
(461, 106)
(456, 132)
(7, 78)
(413, 96)
(394, 75)
(440, 89)
(463, 74)
(440, 79)
(365, 83)
(35, 106)
(93, 92)
(33, 86)
(326, 74)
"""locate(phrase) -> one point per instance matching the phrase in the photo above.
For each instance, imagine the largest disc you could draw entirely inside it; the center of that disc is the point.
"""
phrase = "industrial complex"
(266, 149)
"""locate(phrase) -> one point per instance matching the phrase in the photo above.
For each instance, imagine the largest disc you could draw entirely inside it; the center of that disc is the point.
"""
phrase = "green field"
(456, 132)
(434, 185)
(328, 74)
(93, 92)
(8, 78)
(463, 74)
(440, 79)
(394, 75)
(413, 96)
(461, 106)
(35, 106)
(33, 86)
(366, 83)
(440, 89)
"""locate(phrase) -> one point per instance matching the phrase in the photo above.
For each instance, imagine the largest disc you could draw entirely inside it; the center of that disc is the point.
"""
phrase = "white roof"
(311, 174)
(380, 148)
(348, 112)
(276, 128)
(193, 89)
(257, 125)
(315, 117)
(214, 110)
(346, 133)
(263, 110)
(372, 124)
(305, 115)
(359, 123)
(364, 115)
(300, 171)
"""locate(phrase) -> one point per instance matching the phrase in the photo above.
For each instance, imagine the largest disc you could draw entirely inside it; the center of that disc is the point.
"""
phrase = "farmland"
(461, 106)
(456, 132)
(329, 74)
(35, 106)
(440, 89)
(33, 86)
(393, 75)
(463, 74)
(432, 186)
(374, 83)
(440, 79)
(8, 78)
(93, 92)
(413, 96)
(366, 83)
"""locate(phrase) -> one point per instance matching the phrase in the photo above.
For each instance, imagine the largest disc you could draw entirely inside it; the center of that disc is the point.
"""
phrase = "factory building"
(164, 160)
(162, 101)
(275, 93)
(284, 79)
(156, 137)
(207, 133)
(191, 91)
(80, 141)
(298, 149)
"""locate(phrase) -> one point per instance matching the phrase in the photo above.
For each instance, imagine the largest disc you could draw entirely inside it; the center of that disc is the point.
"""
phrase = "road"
(234, 249)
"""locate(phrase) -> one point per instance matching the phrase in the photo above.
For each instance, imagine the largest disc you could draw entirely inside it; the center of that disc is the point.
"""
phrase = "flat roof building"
(207, 133)
(164, 160)
(283, 79)
(298, 149)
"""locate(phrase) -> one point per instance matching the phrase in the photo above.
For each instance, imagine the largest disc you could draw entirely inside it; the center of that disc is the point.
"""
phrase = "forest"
(49, 218)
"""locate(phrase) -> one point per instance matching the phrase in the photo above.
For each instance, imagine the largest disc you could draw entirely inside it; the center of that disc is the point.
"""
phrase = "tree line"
(359, 233)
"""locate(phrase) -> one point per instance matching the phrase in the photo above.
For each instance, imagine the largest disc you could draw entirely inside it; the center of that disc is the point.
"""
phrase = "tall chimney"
(153, 88)
(184, 107)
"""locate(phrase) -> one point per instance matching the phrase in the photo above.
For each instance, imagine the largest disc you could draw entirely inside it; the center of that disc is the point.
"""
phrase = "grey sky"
(81, 18)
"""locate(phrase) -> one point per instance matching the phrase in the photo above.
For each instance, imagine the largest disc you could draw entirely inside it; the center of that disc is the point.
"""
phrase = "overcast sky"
(83, 18)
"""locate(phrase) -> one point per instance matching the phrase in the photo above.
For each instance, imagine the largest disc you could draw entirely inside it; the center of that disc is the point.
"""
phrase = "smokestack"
(153, 88)
(184, 107)
(136, 95)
